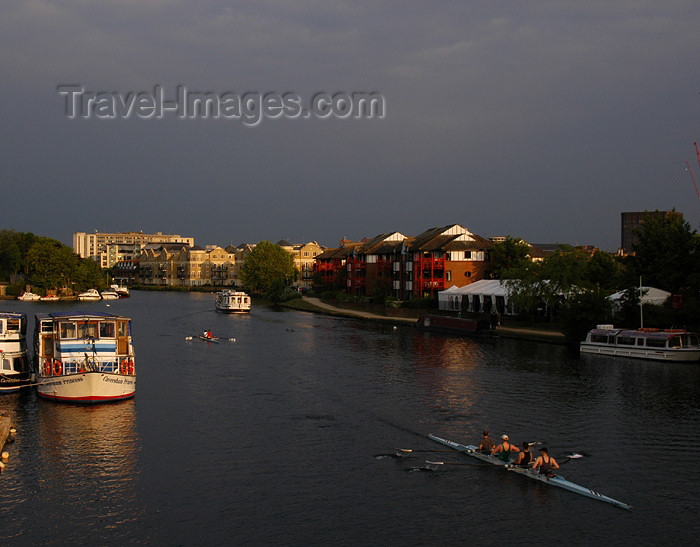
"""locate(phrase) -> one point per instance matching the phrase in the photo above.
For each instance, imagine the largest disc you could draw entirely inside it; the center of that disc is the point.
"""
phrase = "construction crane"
(697, 153)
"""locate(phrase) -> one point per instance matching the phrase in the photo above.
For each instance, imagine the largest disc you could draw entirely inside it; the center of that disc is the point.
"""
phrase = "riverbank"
(315, 305)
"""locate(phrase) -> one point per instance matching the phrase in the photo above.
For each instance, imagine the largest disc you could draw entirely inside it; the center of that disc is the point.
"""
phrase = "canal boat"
(452, 325)
(647, 343)
(553, 480)
(84, 357)
(15, 369)
(229, 301)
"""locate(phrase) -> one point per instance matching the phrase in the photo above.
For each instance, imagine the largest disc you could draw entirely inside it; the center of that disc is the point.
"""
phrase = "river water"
(286, 437)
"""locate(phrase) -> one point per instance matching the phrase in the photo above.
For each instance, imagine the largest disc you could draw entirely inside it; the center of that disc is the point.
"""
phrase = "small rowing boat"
(556, 480)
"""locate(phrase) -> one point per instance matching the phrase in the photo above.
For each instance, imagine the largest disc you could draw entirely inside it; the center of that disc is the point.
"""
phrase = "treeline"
(44, 263)
(571, 286)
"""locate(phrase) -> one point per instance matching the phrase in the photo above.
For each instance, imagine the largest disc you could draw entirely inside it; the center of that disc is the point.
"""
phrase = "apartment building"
(407, 266)
(304, 259)
(178, 265)
(107, 249)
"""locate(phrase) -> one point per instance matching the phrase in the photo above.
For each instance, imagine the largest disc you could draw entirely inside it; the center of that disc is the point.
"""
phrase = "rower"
(503, 450)
(207, 334)
(486, 445)
(524, 458)
(545, 463)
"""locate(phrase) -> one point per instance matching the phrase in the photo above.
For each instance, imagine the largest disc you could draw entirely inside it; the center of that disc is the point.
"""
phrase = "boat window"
(691, 340)
(87, 329)
(656, 342)
(626, 340)
(107, 329)
(2, 327)
(675, 342)
(46, 326)
(13, 324)
(6, 364)
(123, 328)
(640, 341)
(68, 330)
(599, 338)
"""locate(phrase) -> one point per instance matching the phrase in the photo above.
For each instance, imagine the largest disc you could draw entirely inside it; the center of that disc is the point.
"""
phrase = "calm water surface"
(276, 439)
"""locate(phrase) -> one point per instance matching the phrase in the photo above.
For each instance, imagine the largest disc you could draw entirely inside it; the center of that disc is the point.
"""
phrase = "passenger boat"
(28, 297)
(84, 357)
(655, 344)
(556, 480)
(90, 294)
(229, 301)
(15, 370)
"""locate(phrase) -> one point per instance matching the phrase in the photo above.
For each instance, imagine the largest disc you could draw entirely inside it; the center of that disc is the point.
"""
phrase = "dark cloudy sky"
(540, 119)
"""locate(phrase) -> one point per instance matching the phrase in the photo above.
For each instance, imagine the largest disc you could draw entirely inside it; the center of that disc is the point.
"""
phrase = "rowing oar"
(414, 450)
(455, 463)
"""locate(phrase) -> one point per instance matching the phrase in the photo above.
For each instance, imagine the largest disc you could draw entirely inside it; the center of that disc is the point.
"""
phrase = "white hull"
(88, 387)
(232, 302)
(28, 297)
(680, 355)
(84, 358)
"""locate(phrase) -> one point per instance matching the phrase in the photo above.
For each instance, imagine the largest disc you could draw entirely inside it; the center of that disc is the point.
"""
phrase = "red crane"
(697, 153)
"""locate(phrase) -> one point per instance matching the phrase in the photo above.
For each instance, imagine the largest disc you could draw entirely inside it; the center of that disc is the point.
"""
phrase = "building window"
(448, 275)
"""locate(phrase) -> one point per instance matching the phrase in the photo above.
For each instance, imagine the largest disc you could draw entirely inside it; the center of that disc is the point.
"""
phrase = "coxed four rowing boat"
(556, 480)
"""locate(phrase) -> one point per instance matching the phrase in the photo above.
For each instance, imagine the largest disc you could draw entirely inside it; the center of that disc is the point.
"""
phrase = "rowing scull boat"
(556, 480)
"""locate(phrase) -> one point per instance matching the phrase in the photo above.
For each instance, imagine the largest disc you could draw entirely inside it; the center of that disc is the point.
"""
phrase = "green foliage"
(509, 258)
(267, 269)
(667, 255)
(45, 263)
(583, 312)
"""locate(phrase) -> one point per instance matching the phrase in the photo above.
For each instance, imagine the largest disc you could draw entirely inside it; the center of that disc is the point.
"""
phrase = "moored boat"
(451, 325)
(109, 294)
(50, 298)
(84, 357)
(229, 301)
(122, 292)
(15, 370)
(648, 343)
(551, 480)
(90, 294)
(28, 297)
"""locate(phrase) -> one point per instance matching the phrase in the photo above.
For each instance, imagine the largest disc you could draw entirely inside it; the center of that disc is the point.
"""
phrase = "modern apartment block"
(107, 249)
(407, 266)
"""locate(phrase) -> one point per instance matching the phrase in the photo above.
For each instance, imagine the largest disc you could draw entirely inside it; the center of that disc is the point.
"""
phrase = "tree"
(266, 267)
(509, 258)
(667, 254)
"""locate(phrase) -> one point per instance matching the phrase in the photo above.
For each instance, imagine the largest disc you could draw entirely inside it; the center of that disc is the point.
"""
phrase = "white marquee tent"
(650, 295)
(487, 295)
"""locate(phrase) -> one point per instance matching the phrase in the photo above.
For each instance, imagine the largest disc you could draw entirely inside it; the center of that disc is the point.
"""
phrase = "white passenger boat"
(15, 370)
(84, 357)
(654, 344)
(550, 480)
(229, 301)
(28, 297)
(109, 294)
(90, 294)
